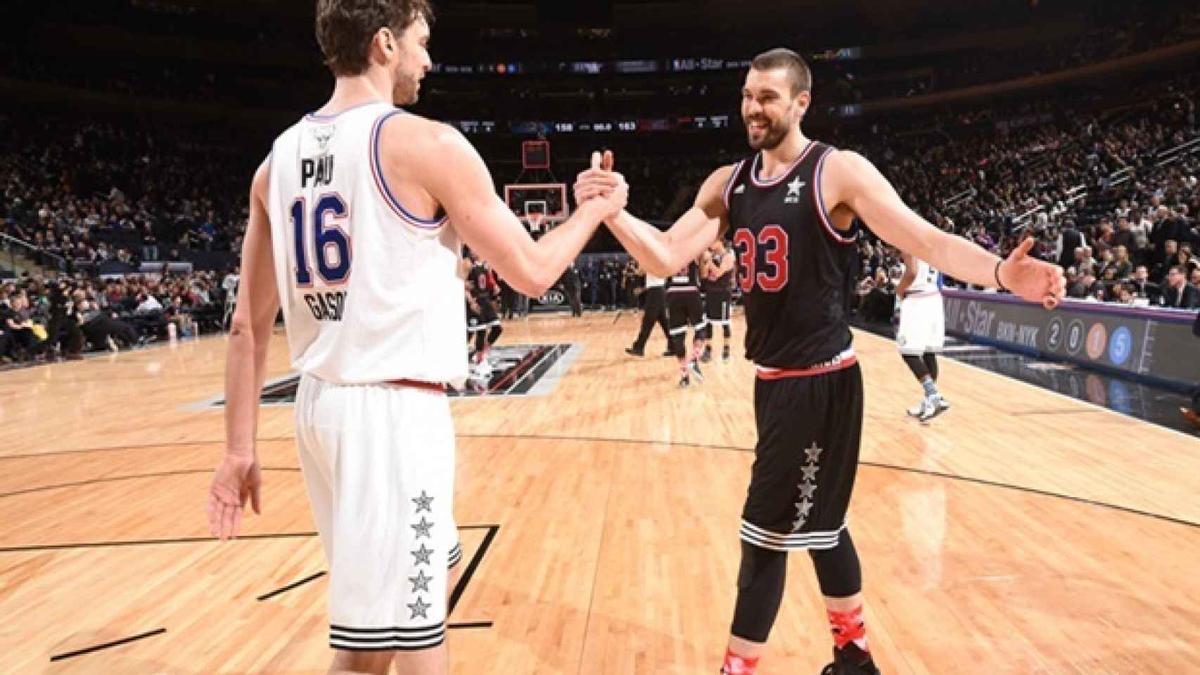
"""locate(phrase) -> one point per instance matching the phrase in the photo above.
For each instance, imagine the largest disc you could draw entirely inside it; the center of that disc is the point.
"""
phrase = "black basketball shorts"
(809, 429)
(684, 310)
(485, 318)
(717, 306)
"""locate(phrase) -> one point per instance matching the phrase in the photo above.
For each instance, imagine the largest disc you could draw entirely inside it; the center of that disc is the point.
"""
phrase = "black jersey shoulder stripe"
(819, 202)
(733, 178)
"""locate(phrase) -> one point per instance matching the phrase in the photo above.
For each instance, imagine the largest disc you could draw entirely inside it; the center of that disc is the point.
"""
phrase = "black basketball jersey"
(723, 282)
(795, 270)
(686, 279)
(479, 280)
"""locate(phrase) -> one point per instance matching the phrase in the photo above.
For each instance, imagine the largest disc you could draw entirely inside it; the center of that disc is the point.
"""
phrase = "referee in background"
(654, 312)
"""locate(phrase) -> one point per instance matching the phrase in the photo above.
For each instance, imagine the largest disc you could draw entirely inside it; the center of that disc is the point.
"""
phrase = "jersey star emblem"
(419, 608)
(807, 490)
(420, 582)
(803, 507)
(810, 473)
(424, 502)
(794, 187)
(423, 555)
(422, 528)
(814, 453)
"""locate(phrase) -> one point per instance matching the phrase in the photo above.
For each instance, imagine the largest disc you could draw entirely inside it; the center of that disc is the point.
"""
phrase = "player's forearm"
(244, 370)
(960, 258)
(553, 253)
(650, 247)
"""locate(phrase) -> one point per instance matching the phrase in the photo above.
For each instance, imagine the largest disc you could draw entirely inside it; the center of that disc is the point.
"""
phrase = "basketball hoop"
(535, 220)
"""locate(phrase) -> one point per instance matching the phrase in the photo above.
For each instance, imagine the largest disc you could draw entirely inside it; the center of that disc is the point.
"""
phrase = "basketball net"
(536, 220)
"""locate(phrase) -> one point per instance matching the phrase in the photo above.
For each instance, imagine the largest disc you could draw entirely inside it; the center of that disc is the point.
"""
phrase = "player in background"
(716, 281)
(922, 332)
(684, 311)
(483, 321)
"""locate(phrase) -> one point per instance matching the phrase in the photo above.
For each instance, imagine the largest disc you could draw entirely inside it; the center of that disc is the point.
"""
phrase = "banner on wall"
(1154, 344)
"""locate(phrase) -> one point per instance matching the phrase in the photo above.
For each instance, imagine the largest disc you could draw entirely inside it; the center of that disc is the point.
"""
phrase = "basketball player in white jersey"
(922, 332)
(356, 225)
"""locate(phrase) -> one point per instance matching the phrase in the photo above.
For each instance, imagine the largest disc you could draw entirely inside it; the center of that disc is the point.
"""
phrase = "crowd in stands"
(1111, 197)
(88, 193)
(1110, 193)
(60, 316)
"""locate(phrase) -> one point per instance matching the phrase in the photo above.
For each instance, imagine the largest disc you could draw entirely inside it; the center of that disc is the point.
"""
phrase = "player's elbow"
(536, 285)
(660, 268)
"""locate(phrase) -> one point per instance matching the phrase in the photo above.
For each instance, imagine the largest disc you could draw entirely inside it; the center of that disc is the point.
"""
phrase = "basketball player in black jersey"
(684, 310)
(716, 281)
(482, 319)
(790, 209)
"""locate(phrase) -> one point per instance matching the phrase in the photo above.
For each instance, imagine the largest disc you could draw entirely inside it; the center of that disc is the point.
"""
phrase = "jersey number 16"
(330, 209)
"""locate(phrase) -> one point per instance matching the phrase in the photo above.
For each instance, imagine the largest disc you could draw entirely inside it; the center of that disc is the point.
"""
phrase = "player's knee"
(838, 570)
(931, 364)
(677, 346)
(760, 590)
(916, 365)
(375, 662)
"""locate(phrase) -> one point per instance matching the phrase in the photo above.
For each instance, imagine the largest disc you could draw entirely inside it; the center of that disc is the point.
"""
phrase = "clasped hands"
(599, 181)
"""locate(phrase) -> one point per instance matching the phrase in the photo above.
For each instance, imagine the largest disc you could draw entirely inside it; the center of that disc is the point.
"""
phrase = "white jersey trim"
(381, 182)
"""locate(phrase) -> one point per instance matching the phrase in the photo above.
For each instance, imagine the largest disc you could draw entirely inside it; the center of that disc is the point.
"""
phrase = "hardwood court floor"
(1020, 533)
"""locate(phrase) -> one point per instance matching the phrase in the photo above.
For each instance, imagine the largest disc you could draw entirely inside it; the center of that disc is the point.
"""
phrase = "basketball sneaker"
(725, 354)
(684, 382)
(634, 351)
(1190, 415)
(695, 366)
(933, 407)
(668, 353)
(707, 355)
(483, 369)
(844, 666)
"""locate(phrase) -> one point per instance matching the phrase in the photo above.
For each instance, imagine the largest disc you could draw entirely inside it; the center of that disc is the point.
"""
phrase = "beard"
(407, 89)
(769, 138)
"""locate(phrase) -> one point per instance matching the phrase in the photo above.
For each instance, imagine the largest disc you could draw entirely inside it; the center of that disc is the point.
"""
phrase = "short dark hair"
(345, 28)
(780, 57)
(1179, 269)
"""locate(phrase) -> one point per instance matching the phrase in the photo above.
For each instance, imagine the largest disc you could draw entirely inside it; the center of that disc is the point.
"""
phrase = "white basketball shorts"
(378, 463)
(922, 324)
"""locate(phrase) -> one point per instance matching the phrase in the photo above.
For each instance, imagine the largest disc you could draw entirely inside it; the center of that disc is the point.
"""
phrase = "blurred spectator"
(1179, 294)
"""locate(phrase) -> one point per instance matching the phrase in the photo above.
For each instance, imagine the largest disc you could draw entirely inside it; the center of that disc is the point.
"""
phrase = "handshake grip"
(599, 181)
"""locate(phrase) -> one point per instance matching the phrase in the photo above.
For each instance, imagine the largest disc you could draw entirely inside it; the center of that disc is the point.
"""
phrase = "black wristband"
(996, 273)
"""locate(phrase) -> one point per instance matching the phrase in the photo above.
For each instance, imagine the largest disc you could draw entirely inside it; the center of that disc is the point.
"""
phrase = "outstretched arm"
(455, 175)
(663, 253)
(853, 181)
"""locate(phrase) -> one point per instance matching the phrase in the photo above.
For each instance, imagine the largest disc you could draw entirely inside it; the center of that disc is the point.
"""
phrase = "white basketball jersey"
(926, 280)
(370, 293)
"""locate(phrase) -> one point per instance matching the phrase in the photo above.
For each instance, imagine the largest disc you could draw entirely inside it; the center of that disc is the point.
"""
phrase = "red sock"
(849, 628)
(738, 665)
